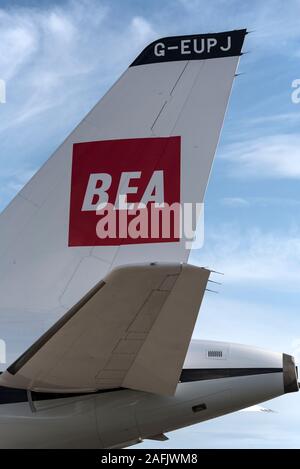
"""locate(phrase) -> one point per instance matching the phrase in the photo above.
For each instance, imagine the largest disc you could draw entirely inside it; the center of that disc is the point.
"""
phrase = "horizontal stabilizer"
(132, 330)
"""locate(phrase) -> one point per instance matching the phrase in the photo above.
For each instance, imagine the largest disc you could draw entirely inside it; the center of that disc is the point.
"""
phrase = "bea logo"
(126, 174)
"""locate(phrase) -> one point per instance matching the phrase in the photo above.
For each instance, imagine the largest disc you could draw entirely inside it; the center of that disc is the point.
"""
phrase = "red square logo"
(121, 191)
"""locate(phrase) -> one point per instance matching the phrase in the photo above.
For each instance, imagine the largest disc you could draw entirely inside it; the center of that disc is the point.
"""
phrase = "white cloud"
(18, 43)
(260, 201)
(141, 27)
(290, 117)
(275, 25)
(264, 259)
(57, 60)
(282, 202)
(257, 301)
(273, 156)
(253, 320)
(235, 202)
(49, 55)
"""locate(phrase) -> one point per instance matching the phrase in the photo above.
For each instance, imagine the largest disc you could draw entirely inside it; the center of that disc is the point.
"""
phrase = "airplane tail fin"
(150, 141)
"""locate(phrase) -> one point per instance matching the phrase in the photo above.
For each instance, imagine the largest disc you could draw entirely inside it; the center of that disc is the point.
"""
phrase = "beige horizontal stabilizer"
(132, 330)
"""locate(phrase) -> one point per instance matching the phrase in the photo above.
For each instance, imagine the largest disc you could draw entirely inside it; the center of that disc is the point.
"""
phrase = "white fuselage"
(217, 378)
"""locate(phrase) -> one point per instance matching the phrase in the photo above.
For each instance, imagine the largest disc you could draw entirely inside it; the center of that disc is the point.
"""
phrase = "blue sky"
(58, 59)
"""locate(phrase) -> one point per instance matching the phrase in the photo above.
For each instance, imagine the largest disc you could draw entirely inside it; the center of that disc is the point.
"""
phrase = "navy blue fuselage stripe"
(13, 396)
